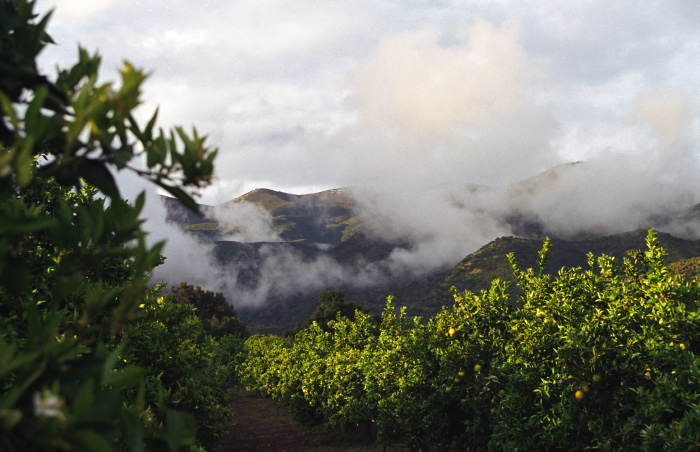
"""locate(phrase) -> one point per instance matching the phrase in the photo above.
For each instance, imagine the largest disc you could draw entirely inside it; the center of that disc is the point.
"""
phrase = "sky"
(410, 102)
(302, 96)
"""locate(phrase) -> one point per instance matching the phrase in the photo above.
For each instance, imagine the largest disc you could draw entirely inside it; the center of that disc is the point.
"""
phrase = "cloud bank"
(431, 111)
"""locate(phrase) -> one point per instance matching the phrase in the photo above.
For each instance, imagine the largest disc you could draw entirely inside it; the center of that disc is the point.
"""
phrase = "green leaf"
(90, 440)
(97, 174)
(9, 418)
(34, 123)
(180, 195)
(125, 378)
(181, 430)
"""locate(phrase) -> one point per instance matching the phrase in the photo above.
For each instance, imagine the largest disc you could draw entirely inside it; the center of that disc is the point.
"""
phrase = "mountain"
(321, 241)
(323, 219)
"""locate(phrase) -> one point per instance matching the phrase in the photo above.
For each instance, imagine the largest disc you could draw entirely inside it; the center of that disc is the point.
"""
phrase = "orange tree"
(74, 266)
(601, 358)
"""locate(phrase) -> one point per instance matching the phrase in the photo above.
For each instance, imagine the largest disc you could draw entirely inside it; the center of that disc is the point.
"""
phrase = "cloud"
(412, 103)
(243, 222)
(83, 11)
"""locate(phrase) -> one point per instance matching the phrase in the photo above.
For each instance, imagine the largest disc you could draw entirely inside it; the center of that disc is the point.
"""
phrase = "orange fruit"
(579, 395)
(451, 331)
(477, 368)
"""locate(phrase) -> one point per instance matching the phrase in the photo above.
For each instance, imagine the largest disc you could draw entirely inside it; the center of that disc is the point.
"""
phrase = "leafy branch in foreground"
(74, 268)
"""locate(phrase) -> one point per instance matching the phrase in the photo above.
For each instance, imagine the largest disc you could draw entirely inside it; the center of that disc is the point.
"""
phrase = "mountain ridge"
(326, 231)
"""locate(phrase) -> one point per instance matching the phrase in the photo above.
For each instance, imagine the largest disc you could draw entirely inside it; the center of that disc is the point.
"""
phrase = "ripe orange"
(579, 395)
(477, 368)
(460, 373)
(451, 331)
(681, 346)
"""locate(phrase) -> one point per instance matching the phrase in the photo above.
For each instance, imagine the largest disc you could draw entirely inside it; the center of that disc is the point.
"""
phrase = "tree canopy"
(74, 264)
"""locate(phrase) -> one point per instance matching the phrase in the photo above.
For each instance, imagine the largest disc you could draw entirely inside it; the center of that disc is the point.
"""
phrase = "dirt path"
(260, 424)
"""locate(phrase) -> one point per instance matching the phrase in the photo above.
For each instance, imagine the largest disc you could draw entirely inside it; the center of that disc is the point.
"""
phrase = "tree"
(332, 303)
(74, 265)
(218, 316)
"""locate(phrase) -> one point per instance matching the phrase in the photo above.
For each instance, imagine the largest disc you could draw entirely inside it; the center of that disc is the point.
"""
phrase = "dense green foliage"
(186, 368)
(331, 304)
(90, 358)
(603, 358)
(216, 314)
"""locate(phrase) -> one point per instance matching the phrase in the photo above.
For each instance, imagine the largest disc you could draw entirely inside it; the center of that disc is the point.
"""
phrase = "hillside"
(322, 242)
(476, 271)
(426, 296)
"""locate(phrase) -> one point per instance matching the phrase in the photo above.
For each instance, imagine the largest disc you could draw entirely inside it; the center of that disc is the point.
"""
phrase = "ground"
(260, 424)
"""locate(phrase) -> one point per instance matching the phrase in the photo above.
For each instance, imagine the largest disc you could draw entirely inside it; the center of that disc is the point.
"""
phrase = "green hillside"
(476, 271)
(325, 224)
(426, 296)
(323, 218)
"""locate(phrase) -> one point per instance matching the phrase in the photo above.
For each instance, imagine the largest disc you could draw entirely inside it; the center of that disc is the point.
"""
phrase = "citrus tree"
(599, 358)
(74, 265)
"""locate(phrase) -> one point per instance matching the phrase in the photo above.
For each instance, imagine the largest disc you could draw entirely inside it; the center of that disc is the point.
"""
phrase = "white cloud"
(81, 10)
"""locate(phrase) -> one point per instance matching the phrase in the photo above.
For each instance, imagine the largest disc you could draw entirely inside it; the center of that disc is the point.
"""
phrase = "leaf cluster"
(74, 264)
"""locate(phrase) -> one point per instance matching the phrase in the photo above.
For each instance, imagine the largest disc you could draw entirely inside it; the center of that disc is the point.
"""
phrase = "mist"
(452, 136)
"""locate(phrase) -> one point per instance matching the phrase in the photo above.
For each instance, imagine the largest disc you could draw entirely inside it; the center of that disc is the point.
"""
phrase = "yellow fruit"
(681, 346)
(460, 373)
(597, 378)
(477, 368)
(579, 395)
(451, 331)
(670, 344)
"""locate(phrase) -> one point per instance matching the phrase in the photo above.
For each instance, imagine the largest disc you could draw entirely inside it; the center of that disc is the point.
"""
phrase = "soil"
(260, 424)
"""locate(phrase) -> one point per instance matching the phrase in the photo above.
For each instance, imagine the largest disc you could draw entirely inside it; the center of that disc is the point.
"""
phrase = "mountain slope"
(476, 271)
(320, 218)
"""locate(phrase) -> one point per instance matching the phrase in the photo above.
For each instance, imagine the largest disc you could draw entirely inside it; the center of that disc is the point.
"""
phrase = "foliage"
(186, 368)
(690, 268)
(331, 304)
(603, 358)
(74, 265)
(218, 316)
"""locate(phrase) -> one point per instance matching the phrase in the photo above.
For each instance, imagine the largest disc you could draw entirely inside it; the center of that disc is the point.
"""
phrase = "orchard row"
(599, 358)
